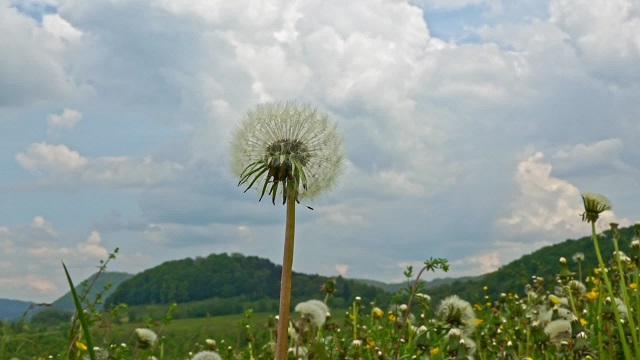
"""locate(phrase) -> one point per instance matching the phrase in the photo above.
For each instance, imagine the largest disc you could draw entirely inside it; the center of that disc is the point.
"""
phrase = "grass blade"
(83, 321)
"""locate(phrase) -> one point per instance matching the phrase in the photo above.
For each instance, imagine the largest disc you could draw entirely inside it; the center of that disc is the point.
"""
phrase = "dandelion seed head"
(206, 355)
(558, 330)
(594, 205)
(146, 337)
(315, 310)
(457, 312)
(285, 135)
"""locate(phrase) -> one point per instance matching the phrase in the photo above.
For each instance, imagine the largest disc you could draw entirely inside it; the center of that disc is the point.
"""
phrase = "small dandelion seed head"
(558, 330)
(594, 205)
(206, 355)
(457, 312)
(563, 260)
(578, 257)
(146, 337)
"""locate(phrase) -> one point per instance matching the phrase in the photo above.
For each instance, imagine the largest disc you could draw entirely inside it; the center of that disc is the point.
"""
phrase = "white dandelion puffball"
(206, 355)
(288, 143)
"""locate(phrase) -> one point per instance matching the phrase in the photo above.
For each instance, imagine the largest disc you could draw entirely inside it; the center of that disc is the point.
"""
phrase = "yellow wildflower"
(583, 322)
(392, 317)
(370, 342)
(434, 351)
(596, 271)
(477, 307)
(377, 312)
(633, 286)
(592, 295)
(485, 288)
(479, 322)
(81, 346)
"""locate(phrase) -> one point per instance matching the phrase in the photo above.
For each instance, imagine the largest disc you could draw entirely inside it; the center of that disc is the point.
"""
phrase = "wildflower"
(633, 286)
(485, 288)
(356, 342)
(315, 310)
(594, 205)
(290, 143)
(300, 352)
(578, 257)
(211, 344)
(423, 297)
(377, 312)
(583, 322)
(577, 287)
(146, 337)
(434, 351)
(403, 307)
(457, 312)
(558, 330)
(206, 355)
(81, 346)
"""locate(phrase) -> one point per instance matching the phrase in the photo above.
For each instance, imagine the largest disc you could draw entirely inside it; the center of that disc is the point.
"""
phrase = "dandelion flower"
(558, 330)
(146, 337)
(457, 312)
(287, 144)
(206, 355)
(594, 205)
(315, 310)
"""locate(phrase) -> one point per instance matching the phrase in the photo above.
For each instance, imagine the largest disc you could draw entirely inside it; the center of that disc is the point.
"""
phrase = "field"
(590, 313)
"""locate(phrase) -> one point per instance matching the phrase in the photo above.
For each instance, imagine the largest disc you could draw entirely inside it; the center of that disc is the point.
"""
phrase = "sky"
(471, 127)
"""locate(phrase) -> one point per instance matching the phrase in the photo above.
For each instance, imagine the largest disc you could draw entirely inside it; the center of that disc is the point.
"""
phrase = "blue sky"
(471, 127)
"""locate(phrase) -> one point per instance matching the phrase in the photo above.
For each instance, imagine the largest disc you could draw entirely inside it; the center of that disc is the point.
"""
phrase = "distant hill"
(542, 263)
(12, 309)
(65, 302)
(227, 281)
(393, 287)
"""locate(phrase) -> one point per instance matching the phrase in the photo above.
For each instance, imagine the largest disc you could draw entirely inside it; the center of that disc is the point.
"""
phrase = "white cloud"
(50, 158)
(599, 157)
(31, 70)
(605, 32)
(67, 120)
(62, 165)
(41, 223)
(546, 205)
(31, 259)
(60, 28)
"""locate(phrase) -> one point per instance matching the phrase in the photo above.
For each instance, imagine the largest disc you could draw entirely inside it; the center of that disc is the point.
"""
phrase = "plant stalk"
(605, 276)
(285, 281)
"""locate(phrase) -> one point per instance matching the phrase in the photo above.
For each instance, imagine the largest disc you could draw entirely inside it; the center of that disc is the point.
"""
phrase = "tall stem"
(605, 276)
(285, 281)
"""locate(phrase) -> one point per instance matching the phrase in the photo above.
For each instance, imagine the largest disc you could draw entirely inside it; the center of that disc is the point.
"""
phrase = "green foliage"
(541, 263)
(226, 284)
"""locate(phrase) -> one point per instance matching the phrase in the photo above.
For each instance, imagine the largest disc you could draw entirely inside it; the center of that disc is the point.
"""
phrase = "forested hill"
(247, 278)
(542, 263)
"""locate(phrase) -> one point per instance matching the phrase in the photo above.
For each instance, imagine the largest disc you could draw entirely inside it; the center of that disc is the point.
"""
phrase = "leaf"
(83, 321)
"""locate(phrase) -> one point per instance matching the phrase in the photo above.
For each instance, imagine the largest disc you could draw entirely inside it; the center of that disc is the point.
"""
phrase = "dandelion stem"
(625, 297)
(605, 276)
(285, 282)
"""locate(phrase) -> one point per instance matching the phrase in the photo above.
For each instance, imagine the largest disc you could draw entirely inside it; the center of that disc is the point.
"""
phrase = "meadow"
(584, 313)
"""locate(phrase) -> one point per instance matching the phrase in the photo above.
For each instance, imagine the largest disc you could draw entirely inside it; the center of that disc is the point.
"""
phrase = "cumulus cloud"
(31, 70)
(31, 259)
(50, 158)
(547, 206)
(584, 159)
(605, 32)
(67, 120)
(61, 165)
